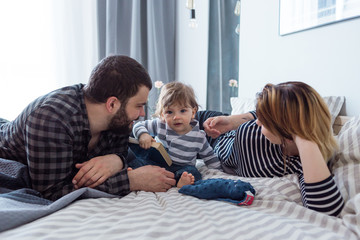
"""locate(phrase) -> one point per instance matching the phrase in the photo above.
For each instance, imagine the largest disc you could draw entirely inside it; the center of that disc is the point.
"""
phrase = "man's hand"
(97, 170)
(151, 179)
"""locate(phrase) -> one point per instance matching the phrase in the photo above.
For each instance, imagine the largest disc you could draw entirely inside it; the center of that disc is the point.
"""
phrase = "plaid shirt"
(51, 135)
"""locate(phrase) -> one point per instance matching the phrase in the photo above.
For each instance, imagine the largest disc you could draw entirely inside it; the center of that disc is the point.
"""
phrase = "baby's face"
(178, 118)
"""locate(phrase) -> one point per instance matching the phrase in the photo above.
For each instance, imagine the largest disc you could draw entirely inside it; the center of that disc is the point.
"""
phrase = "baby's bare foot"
(186, 179)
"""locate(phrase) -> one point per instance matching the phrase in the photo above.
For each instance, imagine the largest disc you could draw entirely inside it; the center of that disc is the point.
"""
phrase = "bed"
(275, 213)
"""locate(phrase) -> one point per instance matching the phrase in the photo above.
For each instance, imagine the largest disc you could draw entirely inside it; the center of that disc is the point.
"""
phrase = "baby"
(176, 128)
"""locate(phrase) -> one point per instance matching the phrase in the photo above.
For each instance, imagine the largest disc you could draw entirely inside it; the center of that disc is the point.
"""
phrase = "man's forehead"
(140, 97)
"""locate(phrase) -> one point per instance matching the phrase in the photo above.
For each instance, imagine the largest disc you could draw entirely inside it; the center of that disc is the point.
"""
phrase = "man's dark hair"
(118, 76)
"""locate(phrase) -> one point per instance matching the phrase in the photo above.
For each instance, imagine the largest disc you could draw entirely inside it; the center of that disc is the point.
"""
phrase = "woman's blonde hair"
(295, 108)
(176, 93)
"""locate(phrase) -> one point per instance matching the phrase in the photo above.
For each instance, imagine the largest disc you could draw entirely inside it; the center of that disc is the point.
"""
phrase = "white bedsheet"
(276, 213)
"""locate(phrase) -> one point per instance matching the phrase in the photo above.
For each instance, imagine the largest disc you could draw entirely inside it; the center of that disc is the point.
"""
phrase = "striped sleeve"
(224, 147)
(323, 196)
(208, 155)
(253, 113)
(147, 126)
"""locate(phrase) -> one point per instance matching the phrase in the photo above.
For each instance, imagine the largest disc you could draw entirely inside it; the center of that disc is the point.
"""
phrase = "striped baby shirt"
(182, 149)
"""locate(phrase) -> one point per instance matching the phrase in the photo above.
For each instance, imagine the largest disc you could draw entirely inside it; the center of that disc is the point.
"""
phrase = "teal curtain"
(223, 60)
(136, 28)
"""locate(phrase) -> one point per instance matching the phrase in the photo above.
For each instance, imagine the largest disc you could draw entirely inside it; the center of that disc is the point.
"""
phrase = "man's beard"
(120, 123)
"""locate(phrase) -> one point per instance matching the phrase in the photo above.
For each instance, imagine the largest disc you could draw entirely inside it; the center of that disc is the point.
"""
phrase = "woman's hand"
(97, 170)
(215, 126)
(145, 140)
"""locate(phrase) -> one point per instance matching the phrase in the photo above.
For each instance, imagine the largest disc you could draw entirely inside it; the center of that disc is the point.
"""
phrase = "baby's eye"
(183, 110)
(168, 112)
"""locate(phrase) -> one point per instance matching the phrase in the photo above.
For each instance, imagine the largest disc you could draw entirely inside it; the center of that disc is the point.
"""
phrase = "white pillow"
(242, 105)
(349, 143)
(334, 104)
(346, 165)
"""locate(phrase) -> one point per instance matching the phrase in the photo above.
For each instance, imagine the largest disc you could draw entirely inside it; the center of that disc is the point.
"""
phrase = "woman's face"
(270, 136)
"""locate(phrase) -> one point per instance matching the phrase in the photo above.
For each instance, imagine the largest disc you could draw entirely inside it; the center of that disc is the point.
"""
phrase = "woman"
(290, 132)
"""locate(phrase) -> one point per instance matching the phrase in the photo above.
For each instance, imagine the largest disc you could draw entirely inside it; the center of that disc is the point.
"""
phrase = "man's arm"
(95, 174)
(49, 149)
(97, 170)
(151, 179)
(50, 145)
(113, 170)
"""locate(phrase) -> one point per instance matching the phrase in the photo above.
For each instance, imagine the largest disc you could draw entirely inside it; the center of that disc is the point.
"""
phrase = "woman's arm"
(313, 163)
(215, 126)
(319, 190)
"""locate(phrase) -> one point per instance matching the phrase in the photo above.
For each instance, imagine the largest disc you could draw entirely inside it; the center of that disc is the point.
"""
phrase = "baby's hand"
(145, 140)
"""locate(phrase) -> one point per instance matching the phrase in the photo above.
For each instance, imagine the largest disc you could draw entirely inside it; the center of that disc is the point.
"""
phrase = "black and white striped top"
(247, 153)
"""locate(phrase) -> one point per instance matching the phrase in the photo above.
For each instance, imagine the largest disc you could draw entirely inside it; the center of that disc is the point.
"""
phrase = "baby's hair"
(176, 93)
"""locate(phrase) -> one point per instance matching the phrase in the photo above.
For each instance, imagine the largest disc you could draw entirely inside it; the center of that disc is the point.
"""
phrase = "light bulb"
(193, 23)
(237, 29)
(190, 4)
(237, 8)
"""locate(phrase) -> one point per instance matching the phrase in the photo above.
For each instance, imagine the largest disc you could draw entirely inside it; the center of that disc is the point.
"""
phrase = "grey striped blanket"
(276, 213)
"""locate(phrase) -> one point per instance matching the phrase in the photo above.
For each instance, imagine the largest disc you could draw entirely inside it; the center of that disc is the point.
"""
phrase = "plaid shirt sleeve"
(115, 144)
(49, 144)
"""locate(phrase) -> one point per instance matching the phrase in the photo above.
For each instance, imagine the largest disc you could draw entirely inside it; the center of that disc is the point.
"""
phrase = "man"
(77, 136)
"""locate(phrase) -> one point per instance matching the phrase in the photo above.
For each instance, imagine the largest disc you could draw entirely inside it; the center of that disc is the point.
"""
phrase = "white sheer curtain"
(44, 45)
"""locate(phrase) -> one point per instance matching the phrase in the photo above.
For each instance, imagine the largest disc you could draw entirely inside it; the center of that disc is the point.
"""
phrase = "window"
(45, 45)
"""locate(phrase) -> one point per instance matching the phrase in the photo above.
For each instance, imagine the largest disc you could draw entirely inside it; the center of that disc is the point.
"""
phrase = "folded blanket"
(19, 204)
(238, 192)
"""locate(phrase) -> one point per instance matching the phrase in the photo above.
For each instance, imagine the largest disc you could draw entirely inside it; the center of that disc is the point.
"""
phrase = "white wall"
(327, 58)
(192, 48)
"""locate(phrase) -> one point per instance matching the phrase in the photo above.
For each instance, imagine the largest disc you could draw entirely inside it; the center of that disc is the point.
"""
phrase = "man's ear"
(112, 104)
